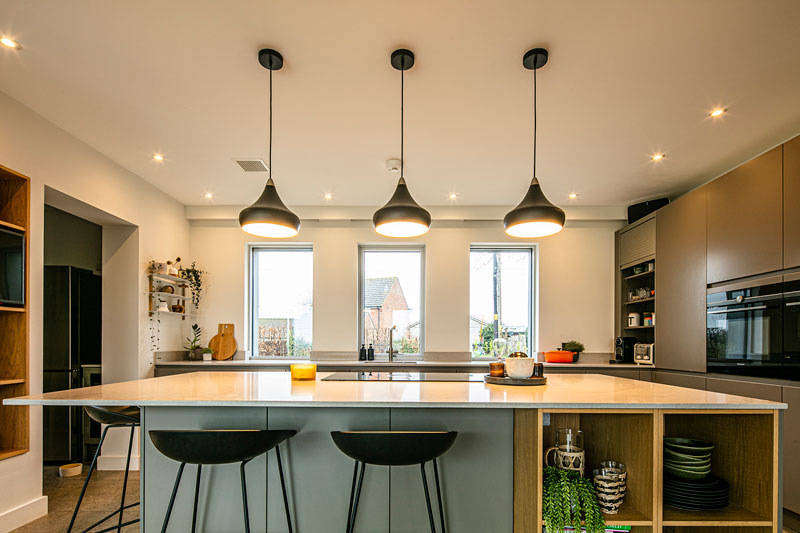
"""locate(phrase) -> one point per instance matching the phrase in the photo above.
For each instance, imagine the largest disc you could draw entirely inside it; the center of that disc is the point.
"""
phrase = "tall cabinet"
(791, 203)
(14, 321)
(745, 219)
(681, 282)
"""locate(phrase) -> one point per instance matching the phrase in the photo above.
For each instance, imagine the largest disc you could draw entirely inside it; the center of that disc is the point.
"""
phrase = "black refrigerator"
(71, 339)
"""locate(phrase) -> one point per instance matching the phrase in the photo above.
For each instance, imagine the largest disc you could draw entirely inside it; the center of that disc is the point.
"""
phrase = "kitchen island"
(492, 476)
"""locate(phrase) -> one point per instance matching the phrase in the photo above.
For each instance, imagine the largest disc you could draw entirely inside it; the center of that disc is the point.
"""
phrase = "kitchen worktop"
(276, 389)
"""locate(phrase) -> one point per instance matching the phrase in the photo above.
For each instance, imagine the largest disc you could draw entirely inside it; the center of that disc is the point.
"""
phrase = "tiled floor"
(102, 497)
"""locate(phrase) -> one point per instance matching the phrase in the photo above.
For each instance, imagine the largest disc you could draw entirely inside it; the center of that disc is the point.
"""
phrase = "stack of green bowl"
(687, 458)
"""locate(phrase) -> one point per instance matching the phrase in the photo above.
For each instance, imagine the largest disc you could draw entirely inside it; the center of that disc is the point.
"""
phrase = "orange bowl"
(558, 356)
(303, 371)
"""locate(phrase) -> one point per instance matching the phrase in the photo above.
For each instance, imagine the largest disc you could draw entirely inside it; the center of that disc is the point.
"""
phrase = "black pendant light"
(401, 216)
(535, 216)
(269, 216)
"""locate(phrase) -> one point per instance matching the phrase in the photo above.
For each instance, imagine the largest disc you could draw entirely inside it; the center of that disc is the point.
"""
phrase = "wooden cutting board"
(223, 343)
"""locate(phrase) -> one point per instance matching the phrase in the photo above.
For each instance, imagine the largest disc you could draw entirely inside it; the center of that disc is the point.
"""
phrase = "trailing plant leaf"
(195, 278)
(569, 498)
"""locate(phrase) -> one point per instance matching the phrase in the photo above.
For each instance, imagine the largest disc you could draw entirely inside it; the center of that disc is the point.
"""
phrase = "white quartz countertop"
(276, 389)
(334, 363)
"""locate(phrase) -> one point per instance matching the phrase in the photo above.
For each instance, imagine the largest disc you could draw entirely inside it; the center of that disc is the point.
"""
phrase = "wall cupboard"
(791, 203)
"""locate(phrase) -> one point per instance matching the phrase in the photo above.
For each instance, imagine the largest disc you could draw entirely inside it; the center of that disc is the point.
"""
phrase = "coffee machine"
(623, 350)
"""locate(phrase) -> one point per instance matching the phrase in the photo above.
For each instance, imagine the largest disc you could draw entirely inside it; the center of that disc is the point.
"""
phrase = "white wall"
(48, 155)
(576, 273)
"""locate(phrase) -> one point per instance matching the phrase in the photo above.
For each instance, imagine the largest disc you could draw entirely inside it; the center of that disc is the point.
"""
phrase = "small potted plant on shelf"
(569, 498)
(196, 351)
(575, 347)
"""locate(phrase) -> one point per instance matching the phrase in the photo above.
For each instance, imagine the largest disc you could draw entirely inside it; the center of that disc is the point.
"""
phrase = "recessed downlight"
(8, 42)
(452, 196)
(717, 112)
(657, 157)
(572, 195)
(328, 196)
(158, 157)
(208, 195)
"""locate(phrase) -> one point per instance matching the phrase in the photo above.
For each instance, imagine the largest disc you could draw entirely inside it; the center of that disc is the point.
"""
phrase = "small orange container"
(303, 371)
(497, 369)
(558, 356)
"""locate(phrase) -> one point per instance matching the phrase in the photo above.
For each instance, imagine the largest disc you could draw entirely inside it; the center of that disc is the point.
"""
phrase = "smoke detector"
(252, 165)
(393, 165)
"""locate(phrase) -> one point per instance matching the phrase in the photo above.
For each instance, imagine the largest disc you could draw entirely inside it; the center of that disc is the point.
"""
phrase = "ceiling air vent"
(252, 165)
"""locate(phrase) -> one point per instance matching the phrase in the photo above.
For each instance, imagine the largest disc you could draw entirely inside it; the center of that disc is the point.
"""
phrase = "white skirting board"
(23, 514)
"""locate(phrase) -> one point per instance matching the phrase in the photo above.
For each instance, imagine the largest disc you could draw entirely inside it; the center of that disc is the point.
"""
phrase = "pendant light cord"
(270, 120)
(402, 117)
(534, 119)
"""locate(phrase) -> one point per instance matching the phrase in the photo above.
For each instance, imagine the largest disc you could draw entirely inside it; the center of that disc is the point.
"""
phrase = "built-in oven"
(744, 328)
(791, 326)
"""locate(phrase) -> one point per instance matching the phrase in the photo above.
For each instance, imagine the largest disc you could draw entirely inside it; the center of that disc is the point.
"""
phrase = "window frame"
(362, 248)
(251, 299)
(533, 294)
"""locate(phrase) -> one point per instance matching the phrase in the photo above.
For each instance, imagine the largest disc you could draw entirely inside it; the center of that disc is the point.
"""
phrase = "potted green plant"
(575, 347)
(195, 278)
(196, 351)
(568, 499)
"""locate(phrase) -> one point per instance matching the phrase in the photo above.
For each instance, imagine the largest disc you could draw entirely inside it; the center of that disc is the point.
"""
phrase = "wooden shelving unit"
(745, 455)
(181, 296)
(14, 323)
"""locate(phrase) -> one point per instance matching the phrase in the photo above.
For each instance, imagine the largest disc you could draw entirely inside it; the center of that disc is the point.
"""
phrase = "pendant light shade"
(535, 216)
(269, 216)
(401, 216)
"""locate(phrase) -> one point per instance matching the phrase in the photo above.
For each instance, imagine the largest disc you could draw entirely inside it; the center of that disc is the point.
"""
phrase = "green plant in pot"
(196, 351)
(568, 499)
(195, 278)
(575, 347)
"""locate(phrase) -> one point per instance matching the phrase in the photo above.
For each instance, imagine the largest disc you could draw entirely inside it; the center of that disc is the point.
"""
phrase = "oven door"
(791, 329)
(746, 337)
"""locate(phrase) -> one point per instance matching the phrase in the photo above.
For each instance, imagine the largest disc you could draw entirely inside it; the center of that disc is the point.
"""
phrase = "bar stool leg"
(196, 497)
(352, 493)
(125, 480)
(172, 498)
(283, 488)
(88, 476)
(438, 492)
(358, 495)
(427, 497)
(244, 498)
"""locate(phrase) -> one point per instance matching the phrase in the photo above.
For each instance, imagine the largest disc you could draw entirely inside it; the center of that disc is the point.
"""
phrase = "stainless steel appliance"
(644, 353)
(744, 328)
(623, 350)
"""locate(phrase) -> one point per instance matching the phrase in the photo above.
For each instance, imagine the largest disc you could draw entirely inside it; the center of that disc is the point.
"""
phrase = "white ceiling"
(625, 79)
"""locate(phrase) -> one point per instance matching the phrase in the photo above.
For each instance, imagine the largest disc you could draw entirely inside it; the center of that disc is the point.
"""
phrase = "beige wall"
(48, 155)
(576, 273)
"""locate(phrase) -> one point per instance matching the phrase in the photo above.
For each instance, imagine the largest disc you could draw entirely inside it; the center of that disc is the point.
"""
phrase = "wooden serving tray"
(514, 381)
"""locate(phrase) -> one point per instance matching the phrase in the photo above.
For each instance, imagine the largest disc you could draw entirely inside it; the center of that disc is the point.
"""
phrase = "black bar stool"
(215, 447)
(112, 417)
(394, 448)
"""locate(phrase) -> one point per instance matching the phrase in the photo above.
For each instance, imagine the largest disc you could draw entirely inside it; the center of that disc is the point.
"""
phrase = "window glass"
(282, 290)
(500, 301)
(391, 299)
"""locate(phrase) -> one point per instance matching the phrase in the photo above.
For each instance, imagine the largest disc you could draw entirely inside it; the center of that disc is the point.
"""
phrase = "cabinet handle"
(722, 311)
(792, 304)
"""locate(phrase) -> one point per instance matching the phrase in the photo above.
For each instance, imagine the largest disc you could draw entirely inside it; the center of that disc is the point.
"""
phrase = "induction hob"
(403, 376)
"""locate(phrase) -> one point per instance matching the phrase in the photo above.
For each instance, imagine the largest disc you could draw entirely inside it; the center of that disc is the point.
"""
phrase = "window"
(500, 301)
(391, 288)
(281, 289)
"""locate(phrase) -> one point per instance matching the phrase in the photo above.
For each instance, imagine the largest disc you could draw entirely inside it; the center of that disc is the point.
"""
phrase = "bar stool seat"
(394, 448)
(110, 416)
(214, 447)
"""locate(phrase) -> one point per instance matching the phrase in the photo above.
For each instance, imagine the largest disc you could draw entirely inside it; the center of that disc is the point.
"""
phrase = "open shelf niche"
(745, 455)
(14, 323)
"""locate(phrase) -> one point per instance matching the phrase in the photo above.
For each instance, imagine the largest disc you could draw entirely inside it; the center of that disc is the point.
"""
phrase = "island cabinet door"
(745, 219)
(791, 449)
(791, 203)
(681, 283)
